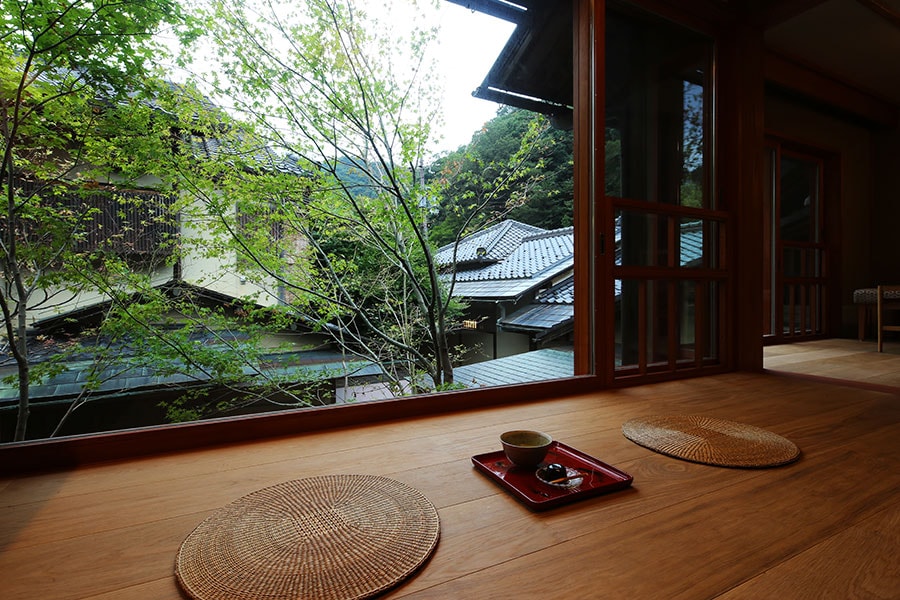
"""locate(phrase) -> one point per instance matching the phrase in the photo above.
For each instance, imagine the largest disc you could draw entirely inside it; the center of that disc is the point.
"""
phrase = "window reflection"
(656, 114)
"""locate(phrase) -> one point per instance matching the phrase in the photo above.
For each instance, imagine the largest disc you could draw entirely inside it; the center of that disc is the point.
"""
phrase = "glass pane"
(693, 142)
(708, 314)
(389, 232)
(698, 243)
(657, 335)
(687, 319)
(802, 309)
(657, 143)
(799, 200)
(648, 332)
(657, 91)
(647, 239)
(770, 249)
(628, 294)
(802, 262)
(613, 162)
(641, 240)
(698, 321)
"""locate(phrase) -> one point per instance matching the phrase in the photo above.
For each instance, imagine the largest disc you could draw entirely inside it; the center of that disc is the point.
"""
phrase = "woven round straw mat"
(711, 441)
(331, 537)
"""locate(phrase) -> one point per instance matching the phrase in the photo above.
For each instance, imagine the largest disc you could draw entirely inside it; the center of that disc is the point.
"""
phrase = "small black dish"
(549, 476)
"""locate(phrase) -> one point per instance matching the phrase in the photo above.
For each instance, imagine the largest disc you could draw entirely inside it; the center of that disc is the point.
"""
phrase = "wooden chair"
(888, 299)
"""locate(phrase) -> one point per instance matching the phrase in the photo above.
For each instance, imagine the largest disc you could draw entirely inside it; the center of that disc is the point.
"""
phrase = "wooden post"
(741, 173)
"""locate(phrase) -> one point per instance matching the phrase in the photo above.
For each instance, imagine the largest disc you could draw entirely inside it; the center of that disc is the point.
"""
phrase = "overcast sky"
(468, 45)
(470, 42)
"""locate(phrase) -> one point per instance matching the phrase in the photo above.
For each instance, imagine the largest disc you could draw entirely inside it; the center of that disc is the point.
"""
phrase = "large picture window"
(349, 224)
(408, 270)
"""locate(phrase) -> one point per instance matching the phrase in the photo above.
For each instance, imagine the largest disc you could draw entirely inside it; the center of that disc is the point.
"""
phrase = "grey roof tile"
(498, 241)
(265, 158)
(561, 293)
(691, 243)
(539, 316)
(65, 389)
(142, 377)
(536, 257)
(507, 289)
(539, 365)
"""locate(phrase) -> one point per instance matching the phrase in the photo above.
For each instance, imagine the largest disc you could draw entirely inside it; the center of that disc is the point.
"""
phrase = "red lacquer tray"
(524, 485)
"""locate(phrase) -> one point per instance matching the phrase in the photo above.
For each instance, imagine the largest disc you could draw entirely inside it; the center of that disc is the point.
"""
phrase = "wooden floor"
(843, 359)
(827, 526)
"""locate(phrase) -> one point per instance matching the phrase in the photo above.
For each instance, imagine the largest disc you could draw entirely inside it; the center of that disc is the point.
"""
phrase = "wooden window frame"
(736, 187)
(70, 452)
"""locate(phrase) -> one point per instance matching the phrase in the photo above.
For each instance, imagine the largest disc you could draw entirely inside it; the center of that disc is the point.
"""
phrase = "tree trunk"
(24, 369)
(24, 409)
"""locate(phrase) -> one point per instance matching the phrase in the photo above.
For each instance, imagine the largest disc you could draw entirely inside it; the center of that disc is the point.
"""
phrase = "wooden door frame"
(830, 205)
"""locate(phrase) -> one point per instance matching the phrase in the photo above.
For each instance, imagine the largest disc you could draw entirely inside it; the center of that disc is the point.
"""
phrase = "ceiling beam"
(788, 74)
(883, 10)
(773, 12)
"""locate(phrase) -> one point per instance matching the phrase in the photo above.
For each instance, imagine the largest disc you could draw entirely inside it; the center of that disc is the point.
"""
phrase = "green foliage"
(516, 167)
(318, 189)
(334, 86)
(613, 171)
(71, 73)
(107, 41)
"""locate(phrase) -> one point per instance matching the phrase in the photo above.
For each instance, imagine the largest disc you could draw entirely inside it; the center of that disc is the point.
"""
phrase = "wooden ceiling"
(856, 42)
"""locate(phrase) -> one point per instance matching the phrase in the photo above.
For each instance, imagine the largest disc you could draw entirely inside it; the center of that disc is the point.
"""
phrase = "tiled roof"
(540, 365)
(691, 243)
(508, 289)
(513, 271)
(498, 242)
(264, 158)
(561, 293)
(121, 377)
(534, 255)
(539, 317)
(492, 290)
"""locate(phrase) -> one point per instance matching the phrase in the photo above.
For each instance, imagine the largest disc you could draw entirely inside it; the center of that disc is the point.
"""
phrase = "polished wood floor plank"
(838, 358)
(868, 552)
(97, 563)
(156, 589)
(684, 530)
(499, 529)
(695, 549)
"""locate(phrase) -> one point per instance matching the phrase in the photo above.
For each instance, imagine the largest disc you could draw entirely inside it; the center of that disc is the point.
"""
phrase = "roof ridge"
(548, 233)
(494, 235)
(503, 228)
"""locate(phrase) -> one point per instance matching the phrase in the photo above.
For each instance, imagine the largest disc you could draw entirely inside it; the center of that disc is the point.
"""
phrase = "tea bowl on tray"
(525, 447)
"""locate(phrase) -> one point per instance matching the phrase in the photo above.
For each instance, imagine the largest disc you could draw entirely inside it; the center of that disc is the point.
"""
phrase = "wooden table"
(827, 526)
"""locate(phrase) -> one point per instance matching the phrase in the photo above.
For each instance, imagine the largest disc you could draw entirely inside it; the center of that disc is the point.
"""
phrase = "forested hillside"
(518, 167)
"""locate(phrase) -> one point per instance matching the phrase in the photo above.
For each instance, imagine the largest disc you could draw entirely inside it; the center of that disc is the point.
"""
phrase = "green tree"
(516, 167)
(58, 59)
(334, 88)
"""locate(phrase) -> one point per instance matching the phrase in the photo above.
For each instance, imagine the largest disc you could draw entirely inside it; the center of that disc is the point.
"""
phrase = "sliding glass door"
(795, 256)
(665, 233)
